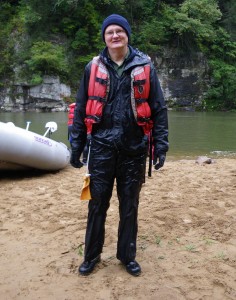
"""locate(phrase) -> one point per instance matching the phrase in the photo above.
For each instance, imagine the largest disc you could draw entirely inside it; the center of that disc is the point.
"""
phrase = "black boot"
(133, 268)
(87, 266)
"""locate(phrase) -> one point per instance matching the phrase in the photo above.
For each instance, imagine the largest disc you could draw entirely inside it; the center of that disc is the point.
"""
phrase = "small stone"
(203, 160)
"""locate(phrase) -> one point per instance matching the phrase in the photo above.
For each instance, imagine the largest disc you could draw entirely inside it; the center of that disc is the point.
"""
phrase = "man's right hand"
(75, 160)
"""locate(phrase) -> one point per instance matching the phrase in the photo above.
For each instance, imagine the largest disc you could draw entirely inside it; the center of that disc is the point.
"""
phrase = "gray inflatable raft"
(20, 148)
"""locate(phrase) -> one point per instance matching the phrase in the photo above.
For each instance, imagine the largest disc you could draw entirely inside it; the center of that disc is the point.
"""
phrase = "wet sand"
(186, 241)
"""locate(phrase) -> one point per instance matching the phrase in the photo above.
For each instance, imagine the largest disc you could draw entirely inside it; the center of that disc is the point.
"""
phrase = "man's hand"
(75, 160)
(159, 160)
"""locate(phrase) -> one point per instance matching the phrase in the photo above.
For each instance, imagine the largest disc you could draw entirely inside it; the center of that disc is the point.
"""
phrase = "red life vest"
(140, 81)
(99, 85)
(71, 114)
(98, 90)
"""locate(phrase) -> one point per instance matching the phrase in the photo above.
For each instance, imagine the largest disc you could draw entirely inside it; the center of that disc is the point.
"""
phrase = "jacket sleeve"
(159, 114)
(78, 133)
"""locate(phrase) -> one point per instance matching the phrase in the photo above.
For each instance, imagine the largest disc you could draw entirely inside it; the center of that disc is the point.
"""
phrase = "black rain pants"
(106, 165)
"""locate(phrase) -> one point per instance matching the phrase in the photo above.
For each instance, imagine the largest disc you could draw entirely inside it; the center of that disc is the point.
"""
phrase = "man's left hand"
(159, 160)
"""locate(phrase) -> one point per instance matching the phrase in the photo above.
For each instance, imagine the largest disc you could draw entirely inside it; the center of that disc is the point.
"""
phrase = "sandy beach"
(186, 240)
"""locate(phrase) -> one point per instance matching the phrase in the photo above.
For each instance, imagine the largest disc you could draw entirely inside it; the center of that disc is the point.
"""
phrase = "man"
(119, 101)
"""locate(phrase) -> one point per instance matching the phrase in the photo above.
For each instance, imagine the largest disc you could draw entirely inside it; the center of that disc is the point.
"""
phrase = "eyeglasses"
(117, 32)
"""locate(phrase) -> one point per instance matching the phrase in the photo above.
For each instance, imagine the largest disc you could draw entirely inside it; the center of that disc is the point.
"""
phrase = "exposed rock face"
(48, 96)
(184, 79)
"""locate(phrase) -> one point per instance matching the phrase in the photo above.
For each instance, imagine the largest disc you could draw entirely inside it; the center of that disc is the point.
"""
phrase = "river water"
(191, 134)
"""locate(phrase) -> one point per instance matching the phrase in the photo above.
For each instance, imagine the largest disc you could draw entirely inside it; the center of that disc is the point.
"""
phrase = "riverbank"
(186, 241)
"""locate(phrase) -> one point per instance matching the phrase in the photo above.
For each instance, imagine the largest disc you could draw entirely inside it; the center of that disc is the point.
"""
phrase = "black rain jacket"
(118, 127)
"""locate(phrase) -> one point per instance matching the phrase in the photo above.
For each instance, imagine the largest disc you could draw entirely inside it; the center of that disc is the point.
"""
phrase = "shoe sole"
(134, 274)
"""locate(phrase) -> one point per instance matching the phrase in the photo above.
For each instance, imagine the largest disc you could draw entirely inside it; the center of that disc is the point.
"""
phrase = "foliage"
(36, 79)
(47, 58)
(195, 22)
(228, 8)
(151, 36)
(222, 62)
(221, 95)
(155, 31)
(5, 52)
(191, 25)
(58, 37)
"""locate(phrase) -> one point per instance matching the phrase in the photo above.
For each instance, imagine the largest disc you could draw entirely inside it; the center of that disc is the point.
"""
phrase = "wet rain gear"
(99, 86)
(118, 152)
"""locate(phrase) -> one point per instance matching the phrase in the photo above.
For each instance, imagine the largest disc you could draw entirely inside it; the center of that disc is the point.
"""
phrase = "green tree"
(222, 61)
(228, 8)
(10, 29)
(47, 58)
(222, 93)
(195, 22)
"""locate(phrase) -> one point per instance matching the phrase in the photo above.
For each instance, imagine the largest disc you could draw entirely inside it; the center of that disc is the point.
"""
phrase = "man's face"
(115, 37)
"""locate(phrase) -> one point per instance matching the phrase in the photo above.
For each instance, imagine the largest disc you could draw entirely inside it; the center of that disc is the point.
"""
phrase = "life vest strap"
(140, 100)
(96, 118)
(143, 119)
(139, 82)
(97, 98)
(101, 80)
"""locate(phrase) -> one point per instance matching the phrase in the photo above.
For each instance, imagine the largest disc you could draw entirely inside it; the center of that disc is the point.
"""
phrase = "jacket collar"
(135, 58)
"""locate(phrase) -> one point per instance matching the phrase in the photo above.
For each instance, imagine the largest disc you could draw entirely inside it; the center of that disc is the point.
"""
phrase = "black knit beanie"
(117, 20)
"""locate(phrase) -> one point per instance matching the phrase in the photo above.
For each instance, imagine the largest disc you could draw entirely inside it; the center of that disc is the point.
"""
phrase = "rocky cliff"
(184, 80)
(48, 96)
